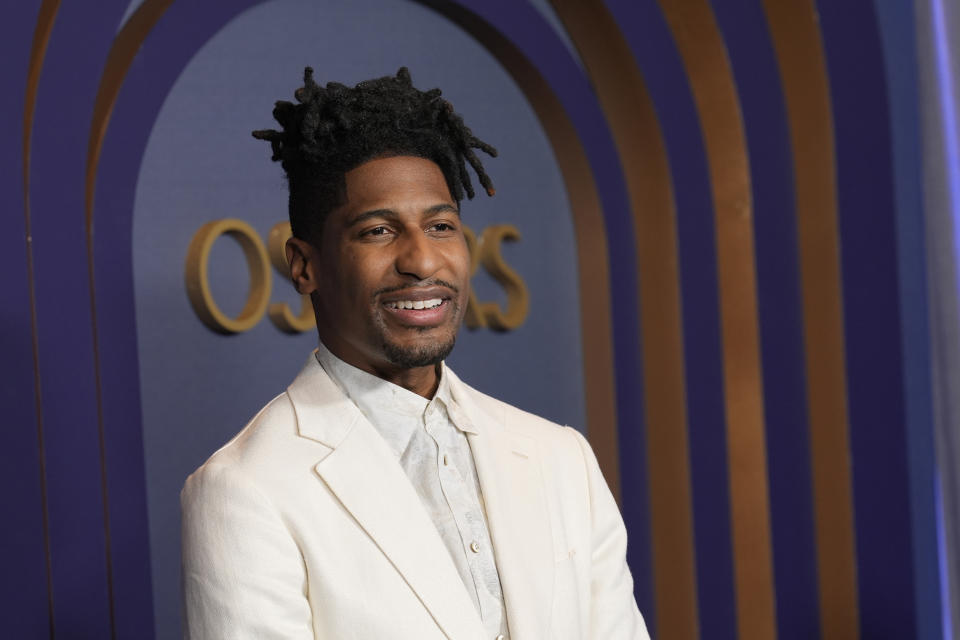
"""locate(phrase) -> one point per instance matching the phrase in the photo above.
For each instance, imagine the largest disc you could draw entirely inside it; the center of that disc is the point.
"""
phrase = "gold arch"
(629, 110)
(704, 55)
(124, 48)
(595, 302)
(41, 39)
(800, 57)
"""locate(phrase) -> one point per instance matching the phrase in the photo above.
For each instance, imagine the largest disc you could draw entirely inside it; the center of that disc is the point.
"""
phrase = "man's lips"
(424, 318)
(420, 307)
(417, 305)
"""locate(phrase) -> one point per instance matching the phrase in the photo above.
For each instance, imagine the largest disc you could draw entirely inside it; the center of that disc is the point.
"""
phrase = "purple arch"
(167, 49)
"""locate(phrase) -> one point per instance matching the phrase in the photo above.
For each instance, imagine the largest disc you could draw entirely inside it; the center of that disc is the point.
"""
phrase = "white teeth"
(415, 304)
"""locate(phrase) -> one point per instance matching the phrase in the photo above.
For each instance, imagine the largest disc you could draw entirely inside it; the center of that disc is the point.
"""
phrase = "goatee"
(419, 356)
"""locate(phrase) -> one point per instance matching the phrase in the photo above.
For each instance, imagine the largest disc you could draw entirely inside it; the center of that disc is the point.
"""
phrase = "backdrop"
(719, 226)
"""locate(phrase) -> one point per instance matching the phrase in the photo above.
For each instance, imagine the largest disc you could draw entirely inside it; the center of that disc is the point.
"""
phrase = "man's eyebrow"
(390, 214)
(442, 208)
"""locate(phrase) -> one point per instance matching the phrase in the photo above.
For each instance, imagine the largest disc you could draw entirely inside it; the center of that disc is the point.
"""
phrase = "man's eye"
(442, 226)
(376, 231)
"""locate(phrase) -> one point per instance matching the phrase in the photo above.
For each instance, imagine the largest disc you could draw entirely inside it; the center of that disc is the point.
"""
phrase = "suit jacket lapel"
(367, 479)
(508, 466)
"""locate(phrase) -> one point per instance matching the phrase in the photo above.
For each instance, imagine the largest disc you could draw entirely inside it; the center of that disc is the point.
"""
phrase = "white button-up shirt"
(432, 448)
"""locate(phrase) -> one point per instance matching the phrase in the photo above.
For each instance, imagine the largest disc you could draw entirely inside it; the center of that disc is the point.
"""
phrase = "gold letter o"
(198, 285)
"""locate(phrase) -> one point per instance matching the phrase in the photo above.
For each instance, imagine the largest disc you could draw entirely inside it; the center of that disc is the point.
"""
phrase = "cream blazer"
(305, 526)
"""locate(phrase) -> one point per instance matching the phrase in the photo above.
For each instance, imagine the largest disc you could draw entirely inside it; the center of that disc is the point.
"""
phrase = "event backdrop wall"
(705, 252)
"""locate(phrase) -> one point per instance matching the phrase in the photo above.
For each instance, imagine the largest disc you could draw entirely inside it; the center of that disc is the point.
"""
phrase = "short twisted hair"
(333, 129)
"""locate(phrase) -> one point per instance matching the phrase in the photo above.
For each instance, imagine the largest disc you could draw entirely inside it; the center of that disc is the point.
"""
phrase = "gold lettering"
(518, 298)
(483, 251)
(198, 283)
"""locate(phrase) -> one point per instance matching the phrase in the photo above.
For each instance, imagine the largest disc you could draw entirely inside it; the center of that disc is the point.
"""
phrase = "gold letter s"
(518, 298)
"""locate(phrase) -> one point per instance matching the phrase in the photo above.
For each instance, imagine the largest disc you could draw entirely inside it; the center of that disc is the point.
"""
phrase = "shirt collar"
(393, 410)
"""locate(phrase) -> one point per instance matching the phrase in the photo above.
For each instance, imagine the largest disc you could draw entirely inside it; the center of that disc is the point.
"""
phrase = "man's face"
(393, 269)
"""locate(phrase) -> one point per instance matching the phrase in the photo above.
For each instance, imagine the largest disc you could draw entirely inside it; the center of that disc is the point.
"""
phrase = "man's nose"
(417, 256)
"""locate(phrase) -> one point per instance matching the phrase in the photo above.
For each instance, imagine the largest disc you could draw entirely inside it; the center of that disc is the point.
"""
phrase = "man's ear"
(302, 258)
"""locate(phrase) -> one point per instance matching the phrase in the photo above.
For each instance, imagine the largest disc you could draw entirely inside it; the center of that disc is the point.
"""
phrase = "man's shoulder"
(512, 415)
(273, 433)
(520, 421)
(255, 450)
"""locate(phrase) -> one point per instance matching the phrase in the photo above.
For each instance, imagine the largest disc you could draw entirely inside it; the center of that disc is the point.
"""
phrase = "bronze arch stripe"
(593, 271)
(122, 52)
(127, 42)
(38, 51)
(800, 56)
(41, 38)
(628, 108)
(705, 59)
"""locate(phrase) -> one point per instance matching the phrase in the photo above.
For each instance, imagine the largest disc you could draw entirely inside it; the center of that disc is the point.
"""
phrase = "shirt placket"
(469, 521)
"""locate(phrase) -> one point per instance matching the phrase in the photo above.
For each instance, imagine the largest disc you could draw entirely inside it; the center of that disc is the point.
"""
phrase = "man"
(379, 496)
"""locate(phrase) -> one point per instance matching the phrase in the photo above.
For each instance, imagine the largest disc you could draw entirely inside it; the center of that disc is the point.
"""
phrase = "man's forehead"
(391, 182)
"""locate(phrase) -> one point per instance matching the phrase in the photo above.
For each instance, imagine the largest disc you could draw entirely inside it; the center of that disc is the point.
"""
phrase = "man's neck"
(422, 381)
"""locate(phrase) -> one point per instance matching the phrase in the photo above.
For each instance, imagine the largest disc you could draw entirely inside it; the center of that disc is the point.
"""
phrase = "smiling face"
(390, 278)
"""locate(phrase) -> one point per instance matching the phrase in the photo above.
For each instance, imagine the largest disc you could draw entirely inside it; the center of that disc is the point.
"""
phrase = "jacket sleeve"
(613, 610)
(243, 574)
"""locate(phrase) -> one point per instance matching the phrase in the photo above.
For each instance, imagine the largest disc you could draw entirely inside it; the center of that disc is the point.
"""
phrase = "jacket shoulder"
(258, 446)
(546, 432)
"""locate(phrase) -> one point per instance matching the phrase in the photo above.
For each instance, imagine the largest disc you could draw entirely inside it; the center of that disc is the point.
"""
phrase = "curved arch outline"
(611, 399)
(711, 79)
(41, 38)
(640, 144)
(799, 48)
(570, 155)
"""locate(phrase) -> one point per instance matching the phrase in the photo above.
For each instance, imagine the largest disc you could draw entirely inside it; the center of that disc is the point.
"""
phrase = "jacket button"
(475, 547)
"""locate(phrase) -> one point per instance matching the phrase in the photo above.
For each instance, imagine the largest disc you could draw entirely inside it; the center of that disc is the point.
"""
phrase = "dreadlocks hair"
(334, 129)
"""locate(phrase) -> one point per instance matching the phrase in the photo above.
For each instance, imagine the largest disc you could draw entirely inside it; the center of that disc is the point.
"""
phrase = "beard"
(420, 355)
(424, 353)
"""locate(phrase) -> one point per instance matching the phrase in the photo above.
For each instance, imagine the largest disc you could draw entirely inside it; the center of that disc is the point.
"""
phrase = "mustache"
(423, 284)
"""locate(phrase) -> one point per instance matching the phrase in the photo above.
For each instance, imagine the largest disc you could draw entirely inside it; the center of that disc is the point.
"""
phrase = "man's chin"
(424, 354)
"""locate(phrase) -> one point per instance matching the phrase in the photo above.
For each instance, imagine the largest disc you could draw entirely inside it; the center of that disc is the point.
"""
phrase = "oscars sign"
(484, 251)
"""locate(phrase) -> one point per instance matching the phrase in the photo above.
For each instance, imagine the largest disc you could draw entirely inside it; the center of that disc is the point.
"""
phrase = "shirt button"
(501, 637)
(475, 546)
(446, 460)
